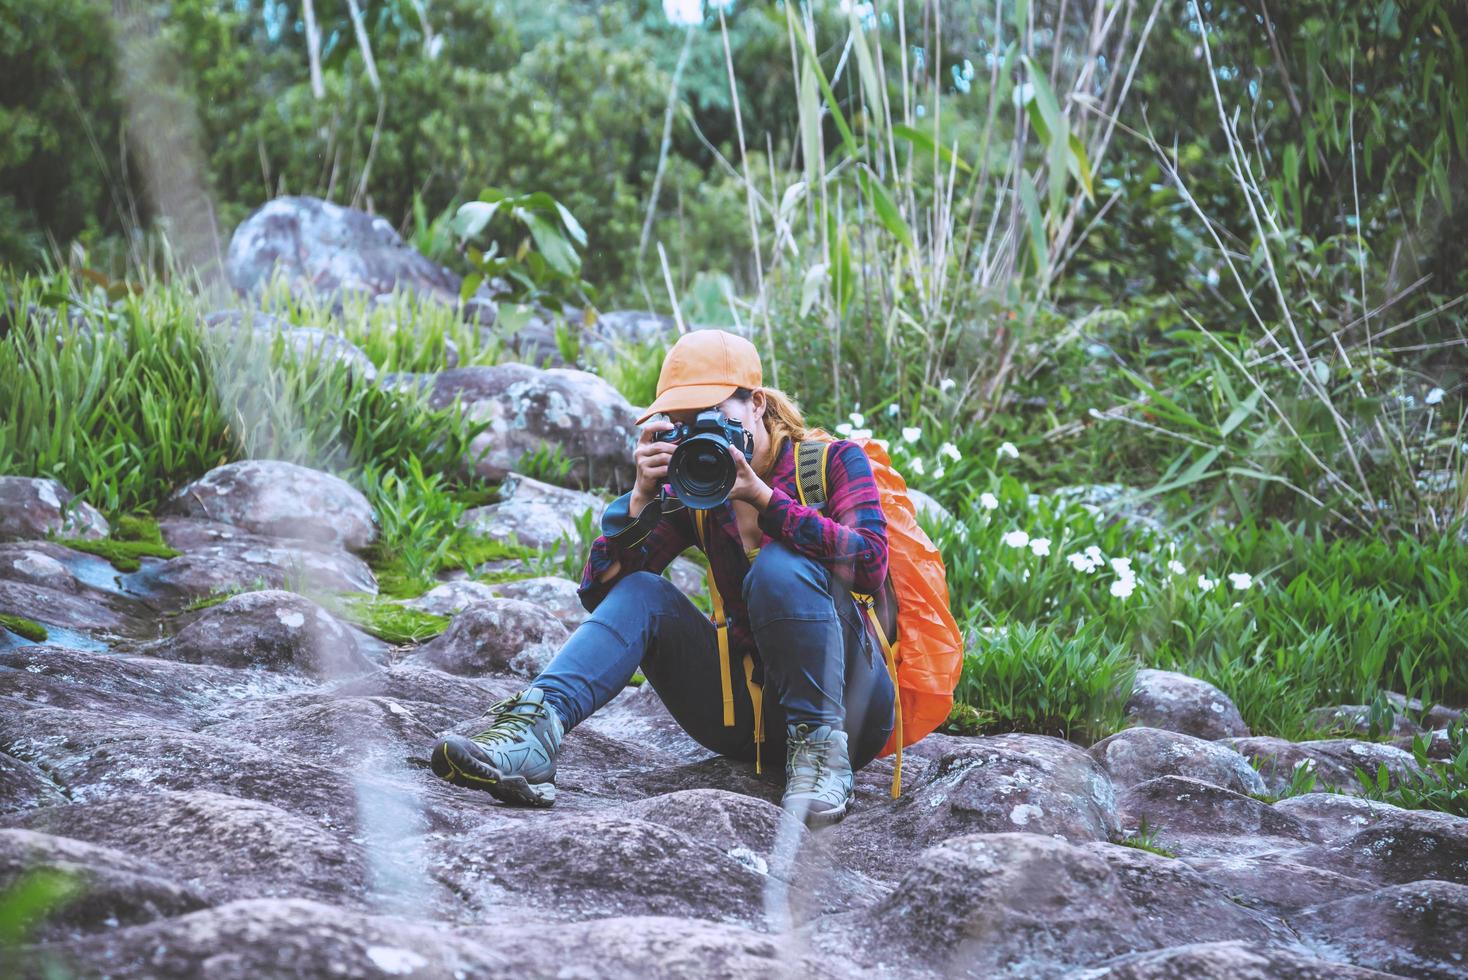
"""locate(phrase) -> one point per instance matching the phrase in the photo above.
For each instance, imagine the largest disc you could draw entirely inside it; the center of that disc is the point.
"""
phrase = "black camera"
(701, 470)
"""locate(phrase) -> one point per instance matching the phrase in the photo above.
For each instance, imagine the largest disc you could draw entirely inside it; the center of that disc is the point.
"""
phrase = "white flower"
(938, 473)
(951, 451)
(844, 428)
(946, 383)
(1434, 396)
(1040, 546)
(1240, 580)
(881, 442)
(893, 408)
(1080, 562)
(1122, 567)
(1007, 449)
(1024, 575)
(988, 501)
(1176, 567)
(1123, 587)
(911, 433)
(860, 434)
(1094, 553)
(1016, 539)
(857, 419)
(1205, 583)
(916, 465)
(685, 13)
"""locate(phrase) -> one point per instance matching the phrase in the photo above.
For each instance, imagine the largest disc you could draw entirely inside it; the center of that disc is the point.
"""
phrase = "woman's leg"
(645, 621)
(822, 664)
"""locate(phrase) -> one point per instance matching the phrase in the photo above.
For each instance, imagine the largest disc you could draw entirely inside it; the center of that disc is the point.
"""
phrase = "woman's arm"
(853, 539)
(627, 545)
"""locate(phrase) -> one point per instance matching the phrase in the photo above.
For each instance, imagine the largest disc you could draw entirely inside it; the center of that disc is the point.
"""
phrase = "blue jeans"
(822, 664)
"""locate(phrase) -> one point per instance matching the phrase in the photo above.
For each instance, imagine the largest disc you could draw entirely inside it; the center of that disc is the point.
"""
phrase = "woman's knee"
(784, 583)
(642, 589)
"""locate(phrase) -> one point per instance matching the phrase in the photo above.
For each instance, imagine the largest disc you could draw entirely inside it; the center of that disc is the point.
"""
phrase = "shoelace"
(507, 724)
(812, 754)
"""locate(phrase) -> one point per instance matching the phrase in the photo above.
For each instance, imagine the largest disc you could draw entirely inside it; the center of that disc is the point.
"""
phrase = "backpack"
(920, 640)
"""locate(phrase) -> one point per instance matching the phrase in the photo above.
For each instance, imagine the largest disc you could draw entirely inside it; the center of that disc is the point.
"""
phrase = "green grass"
(26, 628)
(1145, 839)
(389, 621)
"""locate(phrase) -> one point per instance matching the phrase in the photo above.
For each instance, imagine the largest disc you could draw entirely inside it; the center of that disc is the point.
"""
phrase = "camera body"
(701, 471)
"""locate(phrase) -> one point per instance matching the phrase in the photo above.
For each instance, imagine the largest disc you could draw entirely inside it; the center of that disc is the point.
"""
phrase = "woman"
(811, 681)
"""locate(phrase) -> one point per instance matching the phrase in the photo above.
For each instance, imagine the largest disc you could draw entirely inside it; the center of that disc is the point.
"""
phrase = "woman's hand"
(651, 457)
(747, 484)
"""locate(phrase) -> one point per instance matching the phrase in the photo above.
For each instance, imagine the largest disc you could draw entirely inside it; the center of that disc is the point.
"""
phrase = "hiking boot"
(818, 781)
(514, 759)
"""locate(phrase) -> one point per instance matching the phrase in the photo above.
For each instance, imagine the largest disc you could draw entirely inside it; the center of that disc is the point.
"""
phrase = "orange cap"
(702, 369)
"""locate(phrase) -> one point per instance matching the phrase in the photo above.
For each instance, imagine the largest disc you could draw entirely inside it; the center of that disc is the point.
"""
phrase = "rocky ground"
(245, 791)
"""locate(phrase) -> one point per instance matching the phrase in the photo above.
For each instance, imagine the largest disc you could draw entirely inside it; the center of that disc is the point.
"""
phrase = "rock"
(31, 508)
(252, 565)
(341, 733)
(537, 515)
(1028, 783)
(426, 685)
(599, 864)
(1274, 882)
(175, 694)
(449, 598)
(531, 410)
(271, 937)
(690, 577)
(221, 845)
(320, 247)
(114, 888)
(1193, 817)
(495, 636)
(95, 758)
(304, 343)
(23, 787)
(1333, 760)
(279, 499)
(556, 595)
(618, 327)
(1400, 846)
(1355, 719)
(58, 607)
(1414, 929)
(34, 564)
(1228, 960)
(1179, 703)
(927, 508)
(1329, 816)
(1025, 904)
(1136, 755)
(272, 630)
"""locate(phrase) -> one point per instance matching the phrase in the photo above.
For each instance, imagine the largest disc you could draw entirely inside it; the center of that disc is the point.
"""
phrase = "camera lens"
(701, 471)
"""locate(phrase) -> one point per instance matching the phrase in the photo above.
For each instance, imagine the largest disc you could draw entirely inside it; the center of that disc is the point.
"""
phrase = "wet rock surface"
(279, 499)
(244, 790)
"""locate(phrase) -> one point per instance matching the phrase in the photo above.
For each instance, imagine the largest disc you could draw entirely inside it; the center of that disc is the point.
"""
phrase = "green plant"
(1145, 839)
(389, 620)
(26, 901)
(1437, 785)
(124, 555)
(25, 628)
(547, 462)
(540, 260)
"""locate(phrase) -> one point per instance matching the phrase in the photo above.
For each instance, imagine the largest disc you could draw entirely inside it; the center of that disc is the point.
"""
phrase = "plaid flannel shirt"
(852, 540)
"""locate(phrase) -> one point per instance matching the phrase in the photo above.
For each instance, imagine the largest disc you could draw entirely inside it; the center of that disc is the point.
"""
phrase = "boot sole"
(455, 762)
(816, 819)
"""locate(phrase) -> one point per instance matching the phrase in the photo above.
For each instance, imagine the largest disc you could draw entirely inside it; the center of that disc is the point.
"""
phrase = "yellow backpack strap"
(810, 471)
(721, 624)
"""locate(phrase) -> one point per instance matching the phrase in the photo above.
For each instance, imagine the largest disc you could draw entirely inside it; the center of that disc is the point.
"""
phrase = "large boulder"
(255, 563)
(1229, 960)
(1025, 905)
(498, 636)
(1412, 930)
(320, 247)
(530, 410)
(1026, 783)
(32, 508)
(554, 594)
(279, 499)
(1179, 703)
(114, 888)
(1334, 761)
(1135, 755)
(533, 513)
(308, 344)
(1197, 818)
(273, 630)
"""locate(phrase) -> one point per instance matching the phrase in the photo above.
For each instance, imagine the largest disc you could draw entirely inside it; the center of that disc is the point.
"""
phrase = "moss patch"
(27, 628)
(390, 622)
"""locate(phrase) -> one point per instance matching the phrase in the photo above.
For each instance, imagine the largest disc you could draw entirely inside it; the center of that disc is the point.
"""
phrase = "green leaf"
(1080, 166)
(811, 59)
(1039, 244)
(572, 225)
(552, 246)
(472, 217)
(1241, 411)
(887, 210)
(925, 142)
